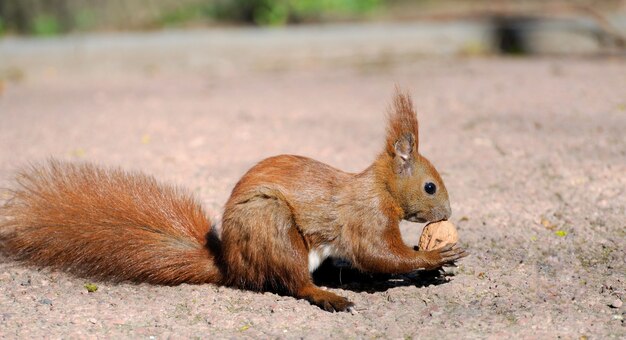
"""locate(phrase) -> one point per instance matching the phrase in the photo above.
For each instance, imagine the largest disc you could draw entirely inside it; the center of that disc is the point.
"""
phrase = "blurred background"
(287, 34)
(149, 57)
(475, 27)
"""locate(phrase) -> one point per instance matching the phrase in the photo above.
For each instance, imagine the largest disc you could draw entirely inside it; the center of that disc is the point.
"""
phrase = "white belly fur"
(318, 255)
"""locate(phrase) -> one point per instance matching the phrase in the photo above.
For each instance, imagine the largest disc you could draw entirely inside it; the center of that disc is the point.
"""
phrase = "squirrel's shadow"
(338, 274)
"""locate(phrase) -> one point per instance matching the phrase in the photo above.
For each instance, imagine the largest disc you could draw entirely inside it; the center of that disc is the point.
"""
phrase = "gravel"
(532, 151)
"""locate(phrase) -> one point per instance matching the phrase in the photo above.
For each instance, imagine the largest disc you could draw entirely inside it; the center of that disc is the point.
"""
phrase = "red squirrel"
(284, 217)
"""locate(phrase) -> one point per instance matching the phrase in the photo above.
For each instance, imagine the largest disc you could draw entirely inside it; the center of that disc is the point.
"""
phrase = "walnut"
(438, 234)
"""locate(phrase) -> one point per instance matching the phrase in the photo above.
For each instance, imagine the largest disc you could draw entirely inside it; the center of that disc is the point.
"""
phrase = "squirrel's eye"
(430, 188)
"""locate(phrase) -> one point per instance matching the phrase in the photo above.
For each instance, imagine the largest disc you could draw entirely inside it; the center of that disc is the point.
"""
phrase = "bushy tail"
(107, 224)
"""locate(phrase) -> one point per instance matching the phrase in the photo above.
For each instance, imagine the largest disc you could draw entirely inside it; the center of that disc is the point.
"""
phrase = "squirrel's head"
(415, 184)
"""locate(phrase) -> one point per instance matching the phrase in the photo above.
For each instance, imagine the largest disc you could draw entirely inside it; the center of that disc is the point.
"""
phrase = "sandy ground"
(532, 151)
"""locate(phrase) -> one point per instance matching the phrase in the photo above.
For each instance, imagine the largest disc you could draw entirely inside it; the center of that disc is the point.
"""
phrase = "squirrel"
(284, 217)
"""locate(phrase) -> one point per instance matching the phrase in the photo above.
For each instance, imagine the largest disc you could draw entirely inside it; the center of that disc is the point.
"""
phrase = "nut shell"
(438, 234)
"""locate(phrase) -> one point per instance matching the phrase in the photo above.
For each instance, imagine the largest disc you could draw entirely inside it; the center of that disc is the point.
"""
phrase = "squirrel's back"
(109, 224)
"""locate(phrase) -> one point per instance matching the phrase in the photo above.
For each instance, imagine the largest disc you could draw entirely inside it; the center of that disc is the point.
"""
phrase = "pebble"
(46, 301)
(616, 304)
(436, 313)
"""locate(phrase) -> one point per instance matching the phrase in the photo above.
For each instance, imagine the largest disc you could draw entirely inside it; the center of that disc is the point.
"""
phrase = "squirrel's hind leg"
(324, 299)
(262, 249)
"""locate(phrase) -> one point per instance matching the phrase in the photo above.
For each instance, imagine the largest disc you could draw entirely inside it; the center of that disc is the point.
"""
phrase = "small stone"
(616, 304)
(435, 313)
(45, 301)
(93, 320)
(452, 271)
(118, 322)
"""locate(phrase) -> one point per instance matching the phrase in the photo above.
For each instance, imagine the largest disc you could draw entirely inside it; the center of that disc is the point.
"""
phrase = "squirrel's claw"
(450, 253)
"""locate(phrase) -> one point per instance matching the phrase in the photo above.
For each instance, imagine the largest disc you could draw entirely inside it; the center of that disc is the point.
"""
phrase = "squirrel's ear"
(402, 131)
(404, 154)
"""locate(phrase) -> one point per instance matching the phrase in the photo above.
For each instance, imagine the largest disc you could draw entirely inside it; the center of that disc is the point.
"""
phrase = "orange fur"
(402, 120)
(284, 216)
(107, 224)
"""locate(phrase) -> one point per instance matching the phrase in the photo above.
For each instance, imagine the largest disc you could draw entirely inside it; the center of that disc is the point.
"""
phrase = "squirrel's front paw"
(446, 255)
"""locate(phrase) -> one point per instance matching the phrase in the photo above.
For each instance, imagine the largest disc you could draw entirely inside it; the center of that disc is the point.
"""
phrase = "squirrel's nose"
(448, 212)
(443, 212)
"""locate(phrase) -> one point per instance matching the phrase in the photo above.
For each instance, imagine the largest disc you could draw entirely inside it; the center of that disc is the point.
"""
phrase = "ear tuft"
(402, 128)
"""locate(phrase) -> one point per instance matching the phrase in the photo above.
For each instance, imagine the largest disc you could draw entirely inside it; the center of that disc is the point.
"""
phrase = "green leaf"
(46, 25)
(91, 287)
